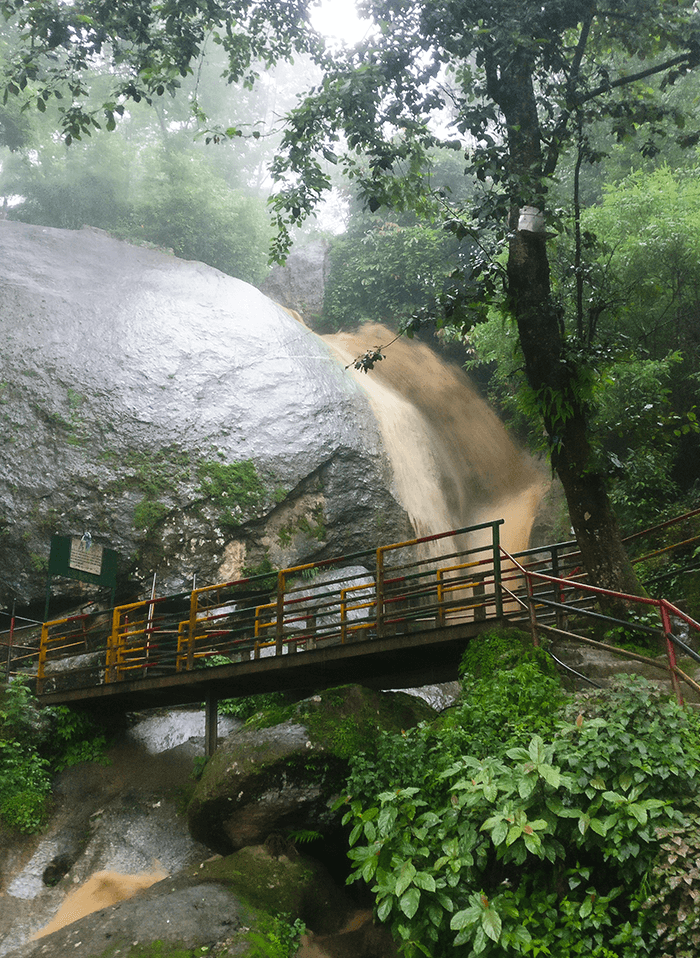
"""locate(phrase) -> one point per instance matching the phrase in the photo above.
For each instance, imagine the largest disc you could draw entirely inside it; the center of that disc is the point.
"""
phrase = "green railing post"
(561, 618)
(279, 624)
(380, 592)
(497, 583)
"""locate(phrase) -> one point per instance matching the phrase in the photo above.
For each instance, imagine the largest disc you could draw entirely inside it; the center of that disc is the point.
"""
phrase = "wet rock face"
(300, 284)
(175, 413)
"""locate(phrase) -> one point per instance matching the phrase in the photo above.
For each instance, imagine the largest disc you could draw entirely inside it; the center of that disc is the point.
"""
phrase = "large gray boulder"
(177, 414)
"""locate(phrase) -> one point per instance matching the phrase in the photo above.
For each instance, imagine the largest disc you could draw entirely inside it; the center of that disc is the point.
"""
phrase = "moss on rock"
(284, 777)
(279, 881)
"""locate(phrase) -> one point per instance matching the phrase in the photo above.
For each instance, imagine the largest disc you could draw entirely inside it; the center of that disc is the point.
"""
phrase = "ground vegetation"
(543, 824)
(34, 745)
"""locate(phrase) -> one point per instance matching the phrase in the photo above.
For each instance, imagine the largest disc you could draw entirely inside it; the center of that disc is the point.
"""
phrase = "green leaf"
(384, 908)
(514, 834)
(526, 786)
(425, 881)
(500, 832)
(551, 775)
(465, 918)
(405, 877)
(625, 780)
(369, 868)
(639, 812)
(491, 923)
(587, 906)
(409, 902)
(533, 844)
(536, 750)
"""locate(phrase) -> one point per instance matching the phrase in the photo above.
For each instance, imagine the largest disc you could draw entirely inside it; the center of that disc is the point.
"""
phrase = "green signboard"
(78, 557)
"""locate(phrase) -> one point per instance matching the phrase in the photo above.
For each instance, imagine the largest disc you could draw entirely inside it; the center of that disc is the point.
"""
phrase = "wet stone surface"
(130, 379)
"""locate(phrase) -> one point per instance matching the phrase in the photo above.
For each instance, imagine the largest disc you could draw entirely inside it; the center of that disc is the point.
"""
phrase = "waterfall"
(454, 462)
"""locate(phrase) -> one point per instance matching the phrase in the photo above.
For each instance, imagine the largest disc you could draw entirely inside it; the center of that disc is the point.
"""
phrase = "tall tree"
(513, 86)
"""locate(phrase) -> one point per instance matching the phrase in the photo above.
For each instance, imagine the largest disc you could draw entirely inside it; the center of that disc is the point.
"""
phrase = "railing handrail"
(425, 586)
(667, 610)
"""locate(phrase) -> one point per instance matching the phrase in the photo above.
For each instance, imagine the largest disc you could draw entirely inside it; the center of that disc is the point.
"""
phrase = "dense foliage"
(33, 746)
(553, 827)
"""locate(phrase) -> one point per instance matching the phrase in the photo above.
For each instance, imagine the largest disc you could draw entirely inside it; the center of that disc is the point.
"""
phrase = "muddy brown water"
(454, 462)
(99, 891)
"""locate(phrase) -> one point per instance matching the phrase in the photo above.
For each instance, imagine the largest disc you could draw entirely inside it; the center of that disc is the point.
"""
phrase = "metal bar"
(40, 673)
(279, 629)
(671, 653)
(497, 567)
(10, 640)
(662, 525)
(532, 612)
(380, 592)
(660, 552)
(211, 719)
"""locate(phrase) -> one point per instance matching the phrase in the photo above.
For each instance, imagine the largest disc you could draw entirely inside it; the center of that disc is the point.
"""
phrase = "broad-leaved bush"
(561, 843)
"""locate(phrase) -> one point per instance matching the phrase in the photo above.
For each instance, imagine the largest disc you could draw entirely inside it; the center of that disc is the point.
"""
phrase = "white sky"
(338, 20)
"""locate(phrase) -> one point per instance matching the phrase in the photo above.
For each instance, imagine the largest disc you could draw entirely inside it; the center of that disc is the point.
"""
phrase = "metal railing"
(545, 601)
(424, 583)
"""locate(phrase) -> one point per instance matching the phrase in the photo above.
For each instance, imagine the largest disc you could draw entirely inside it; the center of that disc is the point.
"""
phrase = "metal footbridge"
(394, 617)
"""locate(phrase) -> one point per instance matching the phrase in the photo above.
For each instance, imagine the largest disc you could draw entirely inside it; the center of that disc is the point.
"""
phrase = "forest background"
(525, 823)
(190, 172)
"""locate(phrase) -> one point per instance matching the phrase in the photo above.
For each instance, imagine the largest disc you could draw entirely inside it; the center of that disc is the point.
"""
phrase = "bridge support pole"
(211, 721)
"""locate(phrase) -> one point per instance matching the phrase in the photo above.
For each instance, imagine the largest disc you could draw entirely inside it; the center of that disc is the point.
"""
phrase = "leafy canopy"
(443, 73)
(151, 47)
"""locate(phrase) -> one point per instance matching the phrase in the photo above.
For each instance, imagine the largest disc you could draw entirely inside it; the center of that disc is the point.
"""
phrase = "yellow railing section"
(414, 586)
(422, 583)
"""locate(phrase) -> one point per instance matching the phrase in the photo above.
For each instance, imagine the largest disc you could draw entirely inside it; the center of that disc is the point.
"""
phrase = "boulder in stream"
(281, 775)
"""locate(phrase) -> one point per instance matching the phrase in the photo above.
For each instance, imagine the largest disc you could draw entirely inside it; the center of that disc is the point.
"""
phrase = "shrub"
(540, 849)
(32, 745)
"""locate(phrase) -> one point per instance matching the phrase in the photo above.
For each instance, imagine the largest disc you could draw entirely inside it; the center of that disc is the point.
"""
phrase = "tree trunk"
(551, 373)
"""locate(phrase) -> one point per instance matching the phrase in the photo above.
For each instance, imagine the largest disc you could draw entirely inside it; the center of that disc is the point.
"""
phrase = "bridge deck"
(400, 661)
(396, 617)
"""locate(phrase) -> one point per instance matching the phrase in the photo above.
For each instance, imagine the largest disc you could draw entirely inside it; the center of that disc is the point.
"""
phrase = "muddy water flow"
(454, 462)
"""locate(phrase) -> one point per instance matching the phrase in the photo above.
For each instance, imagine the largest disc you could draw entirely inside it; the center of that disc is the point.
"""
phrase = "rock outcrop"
(283, 778)
(175, 413)
(300, 284)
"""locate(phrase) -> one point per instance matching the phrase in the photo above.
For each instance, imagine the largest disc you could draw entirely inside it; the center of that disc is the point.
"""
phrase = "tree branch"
(683, 58)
